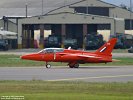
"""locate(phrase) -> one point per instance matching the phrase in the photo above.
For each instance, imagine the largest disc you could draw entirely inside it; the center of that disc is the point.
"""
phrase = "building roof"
(18, 7)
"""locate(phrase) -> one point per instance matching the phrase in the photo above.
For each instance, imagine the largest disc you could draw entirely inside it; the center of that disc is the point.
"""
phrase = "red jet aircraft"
(74, 57)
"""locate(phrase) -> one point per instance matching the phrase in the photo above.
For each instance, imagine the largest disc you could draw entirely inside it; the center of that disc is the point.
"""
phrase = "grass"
(120, 51)
(42, 90)
(15, 61)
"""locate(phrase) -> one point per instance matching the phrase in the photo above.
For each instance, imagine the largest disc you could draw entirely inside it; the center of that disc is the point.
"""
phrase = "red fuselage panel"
(68, 56)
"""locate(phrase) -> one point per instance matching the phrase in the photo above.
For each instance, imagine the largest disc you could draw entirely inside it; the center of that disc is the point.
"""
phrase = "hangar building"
(74, 19)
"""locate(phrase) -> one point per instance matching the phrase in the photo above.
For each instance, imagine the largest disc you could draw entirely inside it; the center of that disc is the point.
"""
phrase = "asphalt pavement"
(89, 74)
(63, 73)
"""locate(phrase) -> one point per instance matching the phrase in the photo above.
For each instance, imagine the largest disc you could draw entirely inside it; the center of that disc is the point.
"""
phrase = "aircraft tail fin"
(107, 48)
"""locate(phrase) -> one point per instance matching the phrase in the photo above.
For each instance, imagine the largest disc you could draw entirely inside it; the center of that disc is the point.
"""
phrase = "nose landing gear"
(48, 65)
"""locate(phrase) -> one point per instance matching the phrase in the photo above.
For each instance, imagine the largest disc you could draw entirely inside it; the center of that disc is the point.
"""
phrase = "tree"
(124, 7)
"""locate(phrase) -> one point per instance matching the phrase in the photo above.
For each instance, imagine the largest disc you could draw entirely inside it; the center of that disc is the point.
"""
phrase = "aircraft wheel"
(70, 66)
(76, 65)
(48, 66)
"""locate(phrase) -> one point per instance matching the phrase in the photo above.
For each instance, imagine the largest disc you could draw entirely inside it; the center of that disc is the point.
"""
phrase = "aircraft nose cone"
(30, 57)
(24, 57)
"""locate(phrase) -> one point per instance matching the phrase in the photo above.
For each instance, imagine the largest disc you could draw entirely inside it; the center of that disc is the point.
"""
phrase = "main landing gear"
(73, 65)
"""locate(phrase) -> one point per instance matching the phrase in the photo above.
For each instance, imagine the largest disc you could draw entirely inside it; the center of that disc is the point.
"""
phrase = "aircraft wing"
(84, 57)
(87, 56)
(81, 56)
(62, 54)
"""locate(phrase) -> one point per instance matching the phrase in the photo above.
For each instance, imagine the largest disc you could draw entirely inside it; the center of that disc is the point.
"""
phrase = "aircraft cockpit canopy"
(51, 50)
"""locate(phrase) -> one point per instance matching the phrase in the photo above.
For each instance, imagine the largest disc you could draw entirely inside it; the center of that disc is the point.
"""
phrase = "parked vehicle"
(130, 50)
(8, 40)
(70, 43)
(93, 41)
(124, 40)
(3, 44)
(52, 41)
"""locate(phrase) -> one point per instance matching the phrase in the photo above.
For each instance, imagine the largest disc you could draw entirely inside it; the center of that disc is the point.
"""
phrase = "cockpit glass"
(51, 50)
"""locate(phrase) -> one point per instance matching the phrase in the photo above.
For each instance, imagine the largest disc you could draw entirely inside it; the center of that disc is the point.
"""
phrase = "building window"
(102, 11)
(128, 25)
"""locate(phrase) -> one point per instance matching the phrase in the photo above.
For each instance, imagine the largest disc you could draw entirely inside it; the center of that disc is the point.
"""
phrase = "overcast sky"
(118, 2)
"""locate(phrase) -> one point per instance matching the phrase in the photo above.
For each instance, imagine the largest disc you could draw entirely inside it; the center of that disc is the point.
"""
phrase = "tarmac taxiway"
(84, 73)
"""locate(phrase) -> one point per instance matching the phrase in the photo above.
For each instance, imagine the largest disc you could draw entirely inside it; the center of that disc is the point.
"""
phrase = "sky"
(118, 2)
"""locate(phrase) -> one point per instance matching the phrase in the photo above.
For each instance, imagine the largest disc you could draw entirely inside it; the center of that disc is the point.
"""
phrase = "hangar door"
(75, 31)
(92, 28)
(28, 36)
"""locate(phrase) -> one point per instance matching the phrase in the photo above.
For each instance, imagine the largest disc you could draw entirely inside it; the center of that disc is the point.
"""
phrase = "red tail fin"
(107, 48)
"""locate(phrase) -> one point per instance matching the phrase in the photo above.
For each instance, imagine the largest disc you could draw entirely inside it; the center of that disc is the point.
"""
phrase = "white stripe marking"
(103, 49)
(100, 77)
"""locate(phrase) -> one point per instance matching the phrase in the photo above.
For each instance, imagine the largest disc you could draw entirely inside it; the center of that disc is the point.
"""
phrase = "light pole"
(130, 14)
(42, 7)
(26, 9)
